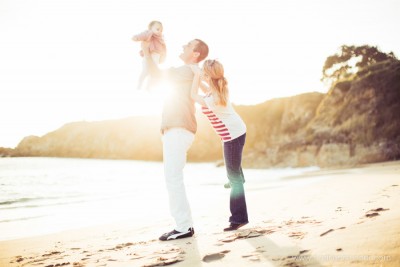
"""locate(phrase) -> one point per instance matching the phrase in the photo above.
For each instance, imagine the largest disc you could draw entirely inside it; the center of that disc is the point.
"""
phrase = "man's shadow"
(281, 255)
(265, 250)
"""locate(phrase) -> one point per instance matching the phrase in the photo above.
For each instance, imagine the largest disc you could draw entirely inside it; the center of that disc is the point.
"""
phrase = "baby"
(157, 48)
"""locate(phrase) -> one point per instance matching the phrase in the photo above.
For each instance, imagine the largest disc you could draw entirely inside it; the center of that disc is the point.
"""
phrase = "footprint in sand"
(162, 261)
(251, 233)
(297, 235)
(370, 215)
(215, 256)
(52, 253)
(58, 264)
(255, 256)
(374, 212)
(121, 246)
(331, 230)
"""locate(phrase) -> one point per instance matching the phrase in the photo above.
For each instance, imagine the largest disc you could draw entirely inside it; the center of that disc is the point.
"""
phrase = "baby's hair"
(154, 22)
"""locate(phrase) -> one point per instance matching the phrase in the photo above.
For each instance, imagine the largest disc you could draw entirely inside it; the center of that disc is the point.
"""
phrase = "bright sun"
(150, 102)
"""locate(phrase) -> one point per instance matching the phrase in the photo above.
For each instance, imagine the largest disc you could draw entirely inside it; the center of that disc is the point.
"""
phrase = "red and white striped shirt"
(225, 121)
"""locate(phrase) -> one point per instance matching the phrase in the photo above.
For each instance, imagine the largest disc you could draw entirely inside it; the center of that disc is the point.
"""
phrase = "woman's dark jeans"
(233, 160)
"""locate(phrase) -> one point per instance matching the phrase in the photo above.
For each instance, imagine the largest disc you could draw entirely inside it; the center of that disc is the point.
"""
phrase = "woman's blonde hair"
(218, 82)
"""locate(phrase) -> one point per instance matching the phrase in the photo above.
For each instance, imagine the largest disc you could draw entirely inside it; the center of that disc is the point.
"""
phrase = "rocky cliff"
(357, 121)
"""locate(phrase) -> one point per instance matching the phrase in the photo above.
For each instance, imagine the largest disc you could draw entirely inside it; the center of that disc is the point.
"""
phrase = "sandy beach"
(349, 217)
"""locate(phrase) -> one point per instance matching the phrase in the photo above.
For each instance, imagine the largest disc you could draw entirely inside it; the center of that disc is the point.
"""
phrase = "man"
(178, 127)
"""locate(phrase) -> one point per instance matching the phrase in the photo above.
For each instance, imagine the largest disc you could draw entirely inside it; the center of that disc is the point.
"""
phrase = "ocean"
(46, 195)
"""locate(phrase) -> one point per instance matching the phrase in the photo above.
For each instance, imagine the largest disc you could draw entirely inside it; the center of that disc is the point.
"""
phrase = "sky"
(73, 60)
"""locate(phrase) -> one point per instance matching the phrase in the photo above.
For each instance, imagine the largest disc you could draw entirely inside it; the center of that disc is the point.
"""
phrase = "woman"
(230, 127)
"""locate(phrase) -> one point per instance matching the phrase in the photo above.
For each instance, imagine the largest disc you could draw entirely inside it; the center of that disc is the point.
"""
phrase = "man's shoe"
(177, 235)
(234, 226)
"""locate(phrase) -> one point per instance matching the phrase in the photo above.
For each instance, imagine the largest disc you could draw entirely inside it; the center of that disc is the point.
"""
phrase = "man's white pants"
(176, 143)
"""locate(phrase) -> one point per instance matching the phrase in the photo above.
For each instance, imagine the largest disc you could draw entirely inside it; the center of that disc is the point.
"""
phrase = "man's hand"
(152, 67)
(145, 48)
(196, 69)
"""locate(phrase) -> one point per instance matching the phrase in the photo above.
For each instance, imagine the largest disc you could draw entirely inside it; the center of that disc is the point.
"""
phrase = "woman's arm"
(195, 88)
(204, 88)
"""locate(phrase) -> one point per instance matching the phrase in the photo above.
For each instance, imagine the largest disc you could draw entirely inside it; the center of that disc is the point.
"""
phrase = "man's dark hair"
(202, 48)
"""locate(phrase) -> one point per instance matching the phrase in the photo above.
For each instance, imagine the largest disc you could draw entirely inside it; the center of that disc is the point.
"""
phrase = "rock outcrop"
(357, 121)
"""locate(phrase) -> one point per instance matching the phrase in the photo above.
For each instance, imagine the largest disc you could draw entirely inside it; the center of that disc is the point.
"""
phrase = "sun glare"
(150, 102)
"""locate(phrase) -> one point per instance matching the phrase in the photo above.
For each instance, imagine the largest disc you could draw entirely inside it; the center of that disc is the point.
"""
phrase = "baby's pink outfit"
(157, 44)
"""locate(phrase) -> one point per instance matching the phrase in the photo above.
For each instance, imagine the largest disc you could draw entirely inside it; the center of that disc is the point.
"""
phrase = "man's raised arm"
(154, 70)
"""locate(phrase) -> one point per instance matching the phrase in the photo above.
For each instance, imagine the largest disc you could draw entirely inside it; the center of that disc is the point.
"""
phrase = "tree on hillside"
(350, 59)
